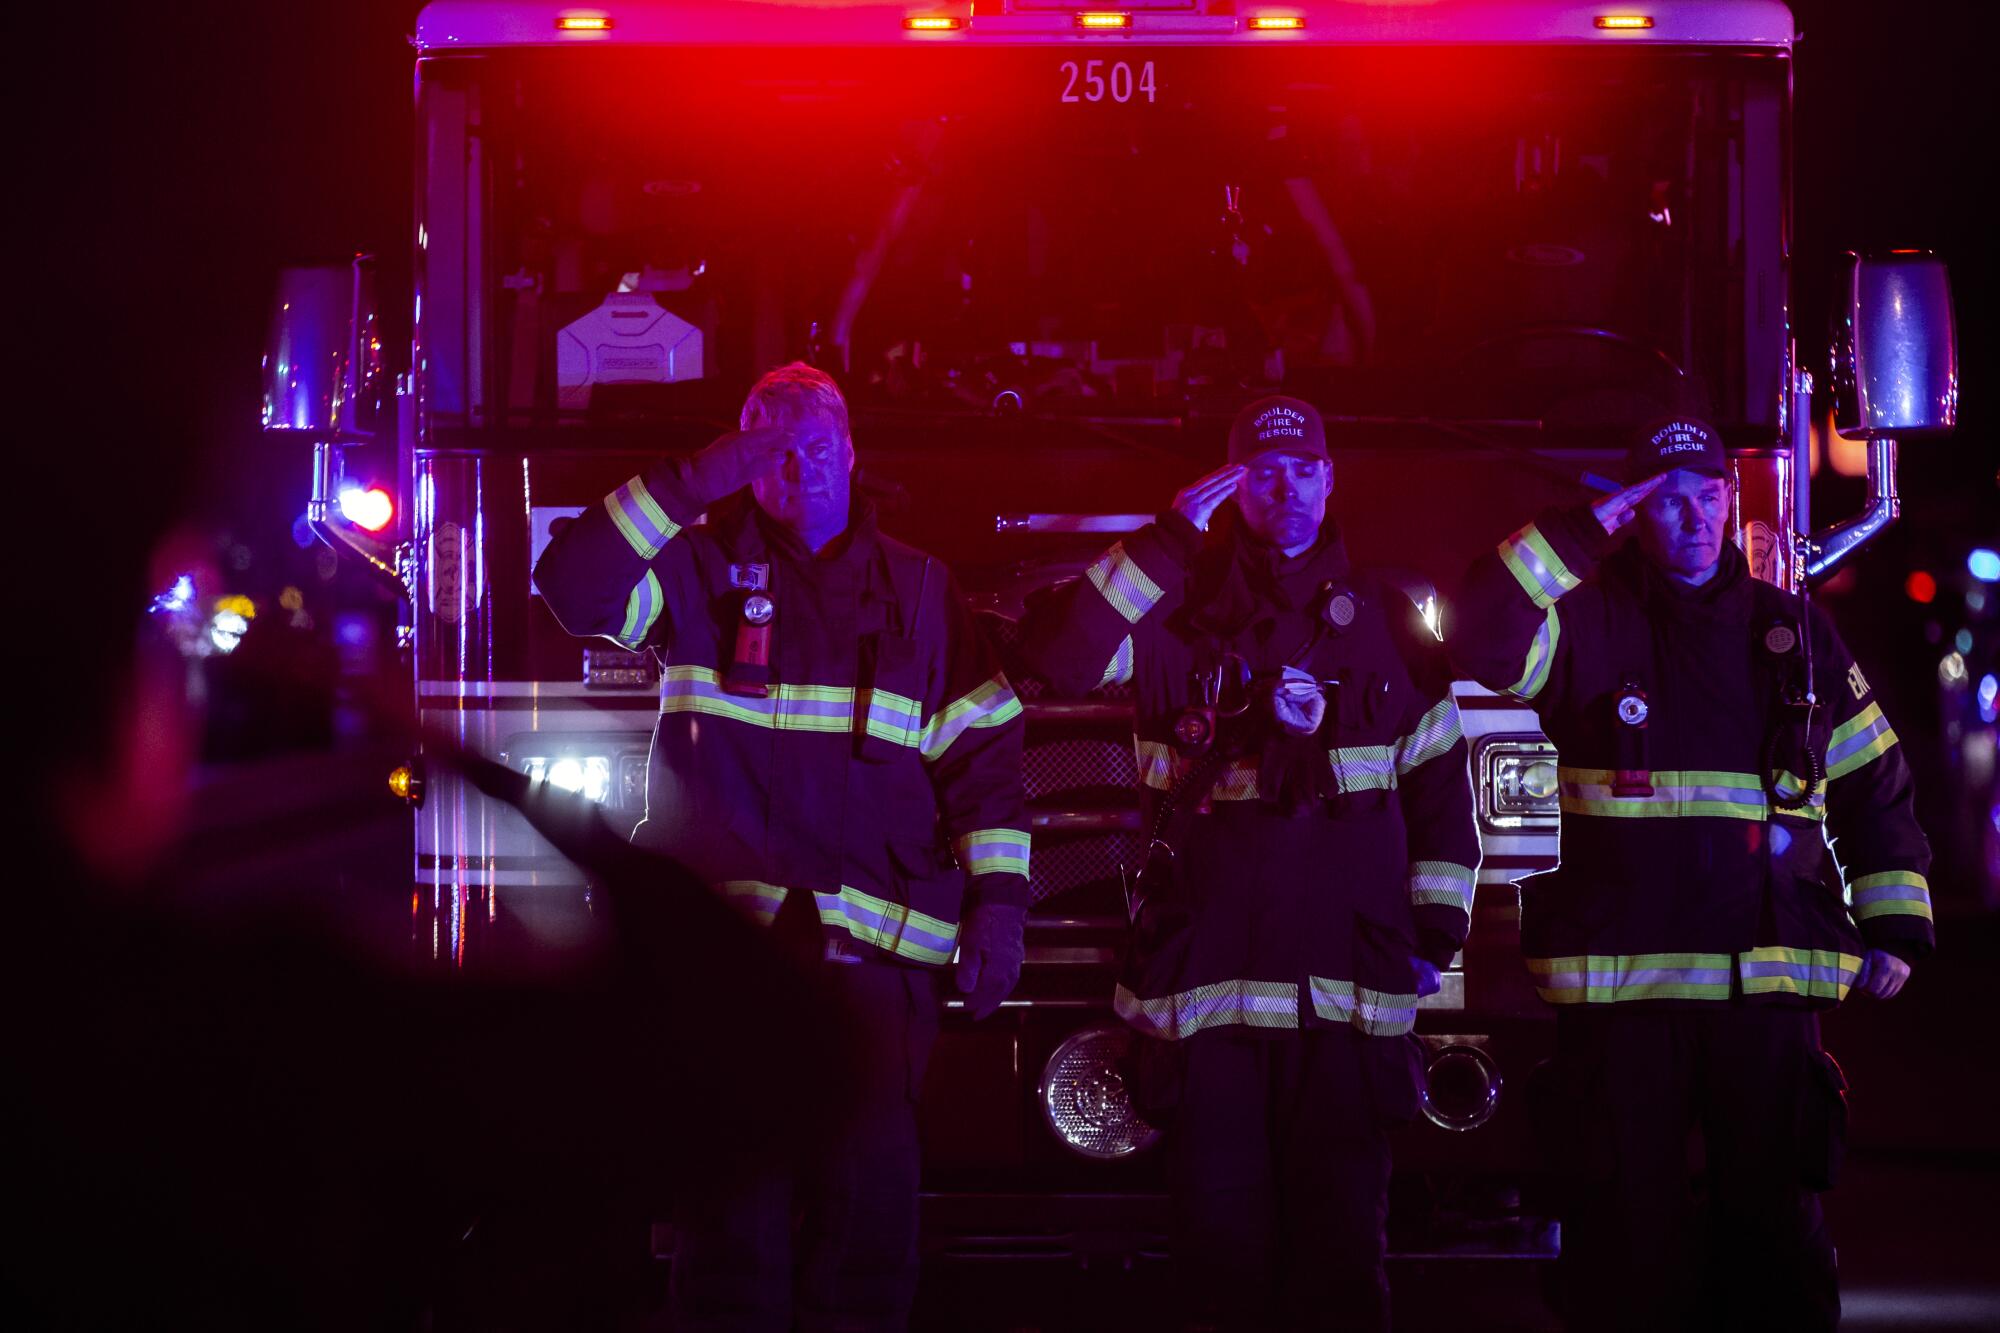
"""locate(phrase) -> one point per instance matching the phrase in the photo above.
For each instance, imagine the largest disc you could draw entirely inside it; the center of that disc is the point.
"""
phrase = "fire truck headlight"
(1084, 1098)
(1518, 791)
(588, 774)
(1462, 1082)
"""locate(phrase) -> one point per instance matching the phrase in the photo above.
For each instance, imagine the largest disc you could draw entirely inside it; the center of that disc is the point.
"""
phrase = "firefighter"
(1311, 868)
(839, 754)
(1713, 749)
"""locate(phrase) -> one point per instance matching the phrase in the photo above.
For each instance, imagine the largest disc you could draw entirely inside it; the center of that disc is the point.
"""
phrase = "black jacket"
(881, 772)
(1321, 868)
(1685, 881)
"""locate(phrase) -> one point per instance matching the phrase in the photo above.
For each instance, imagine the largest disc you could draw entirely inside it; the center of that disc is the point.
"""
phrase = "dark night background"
(179, 154)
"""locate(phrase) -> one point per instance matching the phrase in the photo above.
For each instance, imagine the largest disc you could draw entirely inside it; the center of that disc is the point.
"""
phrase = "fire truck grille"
(1078, 768)
(1062, 862)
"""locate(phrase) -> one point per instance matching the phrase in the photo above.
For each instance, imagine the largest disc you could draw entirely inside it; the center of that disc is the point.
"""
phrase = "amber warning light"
(583, 23)
(1277, 23)
(1624, 22)
(1099, 20)
(933, 23)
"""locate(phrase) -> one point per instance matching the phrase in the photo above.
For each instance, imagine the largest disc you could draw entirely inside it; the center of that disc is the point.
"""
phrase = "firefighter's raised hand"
(736, 460)
(1882, 974)
(1615, 511)
(1298, 703)
(1199, 500)
(991, 947)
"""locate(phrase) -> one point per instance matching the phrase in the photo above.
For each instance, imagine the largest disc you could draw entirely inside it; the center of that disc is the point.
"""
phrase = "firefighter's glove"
(1882, 974)
(990, 949)
(1428, 981)
(1297, 702)
(734, 461)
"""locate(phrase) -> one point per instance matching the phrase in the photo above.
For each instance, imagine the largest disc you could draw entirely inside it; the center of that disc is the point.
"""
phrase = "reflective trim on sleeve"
(1677, 794)
(888, 926)
(1119, 672)
(1857, 742)
(1536, 566)
(1541, 656)
(1257, 1004)
(1118, 578)
(1890, 893)
(1436, 732)
(993, 851)
(1610, 978)
(754, 896)
(892, 717)
(1442, 884)
(1377, 1013)
(1814, 973)
(639, 517)
(642, 610)
(992, 704)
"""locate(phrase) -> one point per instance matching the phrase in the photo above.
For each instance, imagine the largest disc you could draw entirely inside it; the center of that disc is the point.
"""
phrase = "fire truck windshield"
(1118, 231)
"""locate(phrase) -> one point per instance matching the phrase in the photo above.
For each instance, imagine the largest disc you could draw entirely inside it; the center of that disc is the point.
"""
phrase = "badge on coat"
(1780, 639)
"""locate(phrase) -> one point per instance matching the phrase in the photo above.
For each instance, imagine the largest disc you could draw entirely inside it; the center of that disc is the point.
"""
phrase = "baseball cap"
(1670, 443)
(1290, 425)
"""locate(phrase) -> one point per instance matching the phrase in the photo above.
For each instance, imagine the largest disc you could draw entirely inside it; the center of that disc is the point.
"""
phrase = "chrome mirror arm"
(1826, 549)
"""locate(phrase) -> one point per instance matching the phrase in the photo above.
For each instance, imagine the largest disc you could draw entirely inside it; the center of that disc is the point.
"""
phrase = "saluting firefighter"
(1712, 750)
(1311, 870)
(839, 753)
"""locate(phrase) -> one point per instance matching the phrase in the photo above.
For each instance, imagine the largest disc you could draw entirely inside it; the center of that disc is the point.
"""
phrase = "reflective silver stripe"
(1442, 884)
(1260, 1004)
(1858, 742)
(1609, 978)
(1001, 851)
(1121, 582)
(642, 609)
(1890, 893)
(888, 926)
(1436, 732)
(1536, 566)
(754, 896)
(1810, 972)
(992, 704)
(1364, 767)
(1119, 672)
(644, 525)
(1541, 656)
(1676, 794)
(1377, 1013)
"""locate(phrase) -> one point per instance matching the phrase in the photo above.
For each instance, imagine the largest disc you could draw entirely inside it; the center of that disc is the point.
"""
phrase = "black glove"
(990, 949)
(733, 462)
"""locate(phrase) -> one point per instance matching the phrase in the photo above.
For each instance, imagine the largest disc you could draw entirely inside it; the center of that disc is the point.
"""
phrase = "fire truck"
(1048, 251)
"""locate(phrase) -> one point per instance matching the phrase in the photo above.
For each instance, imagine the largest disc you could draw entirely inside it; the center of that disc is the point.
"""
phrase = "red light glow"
(1624, 22)
(1099, 20)
(371, 509)
(583, 23)
(1277, 23)
(933, 23)
(1921, 587)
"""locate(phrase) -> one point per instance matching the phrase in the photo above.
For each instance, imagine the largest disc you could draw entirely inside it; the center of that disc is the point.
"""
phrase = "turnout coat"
(879, 770)
(1319, 868)
(1683, 878)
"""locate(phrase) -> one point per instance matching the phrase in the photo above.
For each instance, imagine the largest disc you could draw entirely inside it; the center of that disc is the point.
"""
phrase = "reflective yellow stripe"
(993, 851)
(1118, 578)
(1436, 732)
(893, 717)
(992, 704)
(889, 926)
(1375, 1012)
(1611, 978)
(1257, 1004)
(1363, 767)
(1119, 672)
(754, 896)
(1858, 742)
(642, 610)
(1536, 566)
(1442, 884)
(1814, 973)
(1890, 893)
(1677, 794)
(693, 689)
(645, 526)
(1541, 656)
(1161, 765)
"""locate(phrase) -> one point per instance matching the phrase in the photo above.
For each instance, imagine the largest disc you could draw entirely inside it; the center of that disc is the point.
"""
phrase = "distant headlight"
(1084, 1098)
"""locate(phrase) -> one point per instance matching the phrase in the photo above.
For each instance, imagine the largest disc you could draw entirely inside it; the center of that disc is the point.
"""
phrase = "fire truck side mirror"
(323, 353)
(1895, 352)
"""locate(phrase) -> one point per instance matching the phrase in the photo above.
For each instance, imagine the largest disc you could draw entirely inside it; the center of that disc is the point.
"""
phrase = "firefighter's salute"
(839, 754)
(1713, 749)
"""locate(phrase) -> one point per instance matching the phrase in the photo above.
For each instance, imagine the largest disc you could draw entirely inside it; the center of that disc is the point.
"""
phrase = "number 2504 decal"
(1108, 80)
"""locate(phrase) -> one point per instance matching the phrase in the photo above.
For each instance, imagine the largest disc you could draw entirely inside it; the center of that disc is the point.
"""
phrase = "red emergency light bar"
(583, 23)
(934, 23)
(1098, 20)
(1623, 22)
